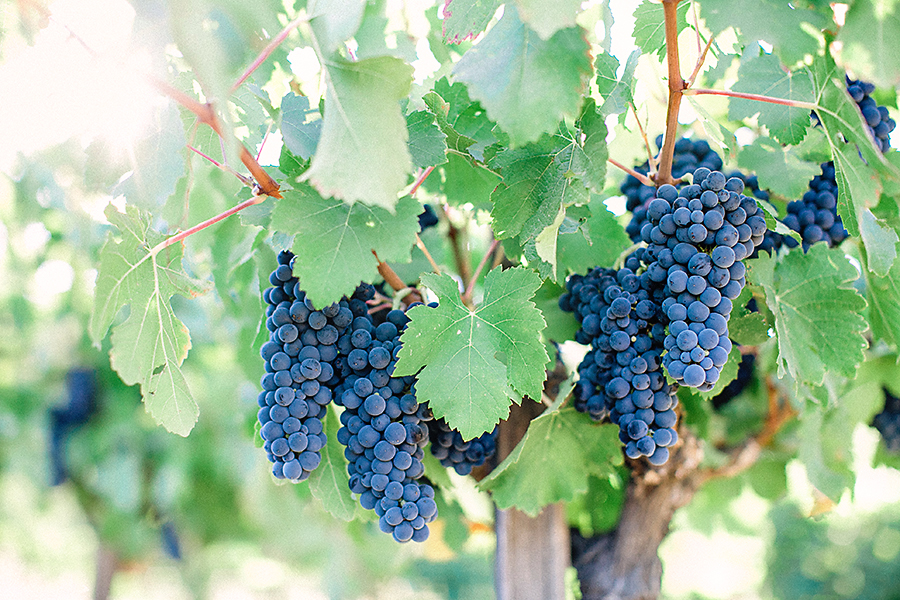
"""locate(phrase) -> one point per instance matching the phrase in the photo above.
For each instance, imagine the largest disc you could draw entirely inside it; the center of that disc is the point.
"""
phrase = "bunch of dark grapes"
(81, 386)
(887, 422)
(300, 372)
(815, 216)
(697, 239)
(877, 119)
(427, 218)
(737, 386)
(384, 428)
(448, 446)
(621, 375)
(689, 155)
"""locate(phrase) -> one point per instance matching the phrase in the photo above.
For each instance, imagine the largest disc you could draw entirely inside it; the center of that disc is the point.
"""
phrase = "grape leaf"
(362, 153)
(884, 310)
(537, 182)
(649, 26)
(765, 75)
(589, 159)
(826, 449)
(870, 38)
(526, 84)
(472, 364)
(466, 181)
(464, 19)
(329, 481)
(546, 18)
(793, 31)
(334, 21)
(150, 345)
(300, 137)
(617, 94)
(858, 165)
(779, 169)
(599, 240)
(427, 143)
(818, 315)
(561, 326)
(560, 451)
(333, 241)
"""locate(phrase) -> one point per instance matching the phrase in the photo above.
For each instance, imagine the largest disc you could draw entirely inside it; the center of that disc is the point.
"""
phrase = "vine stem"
(392, 279)
(470, 289)
(757, 97)
(200, 226)
(267, 51)
(420, 179)
(701, 58)
(651, 160)
(421, 246)
(676, 89)
(639, 176)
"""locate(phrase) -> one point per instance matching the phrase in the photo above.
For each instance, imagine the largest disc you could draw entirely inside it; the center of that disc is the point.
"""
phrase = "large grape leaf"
(464, 19)
(884, 310)
(334, 21)
(526, 84)
(649, 26)
(427, 143)
(300, 134)
(778, 168)
(538, 179)
(765, 75)
(818, 315)
(362, 153)
(472, 364)
(870, 38)
(860, 168)
(333, 241)
(150, 345)
(546, 18)
(791, 30)
(329, 483)
(553, 462)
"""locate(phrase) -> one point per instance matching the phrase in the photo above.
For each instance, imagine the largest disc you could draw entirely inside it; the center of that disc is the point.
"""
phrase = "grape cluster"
(81, 385)
(621, 375)
(384, 428)
(427, 218)
(815, 216)
(877, 119)
(887, 422)
(300, 374)
(689, 155)
(448, 446)
(697, 239)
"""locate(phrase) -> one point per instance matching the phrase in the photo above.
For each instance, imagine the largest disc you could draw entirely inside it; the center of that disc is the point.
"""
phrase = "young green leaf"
(617, 94)
(362, 154)
(649, 26)
(818, 315)
(464, 121)
(779, 169)
(150, 345)
(599, 240)
(589, 160)
(427, 143)
(333, 241)
(526, 84)
(531, 477)
(464, 19)
(884, 309)
(472, 364)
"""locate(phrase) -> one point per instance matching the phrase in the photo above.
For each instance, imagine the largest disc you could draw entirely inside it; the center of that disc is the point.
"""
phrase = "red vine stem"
(470, 289)
(267, 51)
(639, 176)
(757, 97)
(676, 88)
(420, 179)
(700, 60)
(200, 226)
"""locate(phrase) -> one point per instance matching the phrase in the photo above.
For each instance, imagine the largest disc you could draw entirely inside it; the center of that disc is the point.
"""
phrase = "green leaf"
(818, 314)
(546, 18)
(526, 84)
(617, 94)
(884, 308)
(427, 143)
(538, 179)
(747, 328)
(793, 31)
(553, 462)
(333, 241)
(561, 326)
(300, 135)
(334, 21)
(870, 38)
(765, 75)
(465, 122)
(779, 169)
(599, 240)
(649, 26)
(589, 160)
(329, 482)
(362, 154)
(472, 364)
(464, 19)
(150, 345)
(468, 182)
(826, 449)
